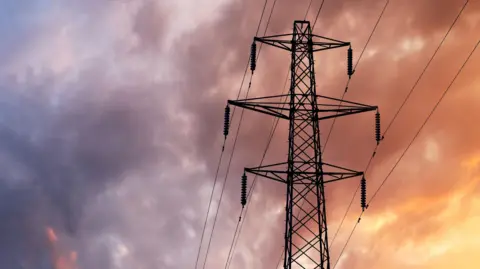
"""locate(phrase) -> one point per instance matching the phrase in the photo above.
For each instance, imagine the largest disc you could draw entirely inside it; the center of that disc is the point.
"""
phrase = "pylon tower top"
(302, 39)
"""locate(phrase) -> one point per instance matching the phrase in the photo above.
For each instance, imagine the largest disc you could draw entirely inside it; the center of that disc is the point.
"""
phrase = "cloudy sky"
(111, 123)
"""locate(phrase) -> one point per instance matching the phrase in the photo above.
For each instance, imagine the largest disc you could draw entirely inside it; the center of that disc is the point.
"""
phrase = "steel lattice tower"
(305, 174)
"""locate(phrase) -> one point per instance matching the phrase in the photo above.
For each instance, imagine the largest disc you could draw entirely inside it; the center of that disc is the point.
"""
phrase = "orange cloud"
(59, 260)
(430, 197)
(430, 192)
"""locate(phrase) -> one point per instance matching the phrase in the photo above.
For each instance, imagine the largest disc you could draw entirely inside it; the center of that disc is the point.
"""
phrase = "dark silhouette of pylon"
(304, 173)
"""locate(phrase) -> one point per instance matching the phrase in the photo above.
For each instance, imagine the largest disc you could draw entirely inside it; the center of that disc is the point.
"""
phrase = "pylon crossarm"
(331, 39)
(279, 176)
(263, 107)
(282, 112)
(256, 38)
(344, 113)
(263, 98)
(335, 113)
(275, 106)
(282, 44)
(332, 177)
(334, 173)
(285, 42)
(300, 98)
(344, 101)
(332, 166)
(276, 175)
(341, 176)
(325, 106)
(327, 46)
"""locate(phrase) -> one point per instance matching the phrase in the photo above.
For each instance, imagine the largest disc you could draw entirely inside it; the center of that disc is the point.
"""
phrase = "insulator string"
(378, 135)
(253, 53)
(363, 199)
(350, 63)
(227, 121)
(244, 190)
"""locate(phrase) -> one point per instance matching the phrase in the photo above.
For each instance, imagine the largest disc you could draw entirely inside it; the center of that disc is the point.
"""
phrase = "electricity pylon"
(304, 173)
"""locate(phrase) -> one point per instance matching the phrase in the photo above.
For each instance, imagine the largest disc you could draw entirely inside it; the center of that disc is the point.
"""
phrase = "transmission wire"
(228, 167)
(223, 149)
(411, 142)
(399, 109)
(340, 103)
(240, 223)
(355, 68)
(318, 13)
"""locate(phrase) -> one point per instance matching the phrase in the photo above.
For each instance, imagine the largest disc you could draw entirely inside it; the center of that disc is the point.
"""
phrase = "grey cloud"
(70, 153)
(151, 25)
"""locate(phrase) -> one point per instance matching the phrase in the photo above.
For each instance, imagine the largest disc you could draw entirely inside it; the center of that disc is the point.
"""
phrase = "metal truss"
(304, 173)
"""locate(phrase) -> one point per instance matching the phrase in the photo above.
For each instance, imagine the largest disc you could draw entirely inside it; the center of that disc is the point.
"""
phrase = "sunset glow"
(111, 133)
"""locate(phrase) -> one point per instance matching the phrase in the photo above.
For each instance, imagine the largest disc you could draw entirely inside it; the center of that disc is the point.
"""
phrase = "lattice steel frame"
(304, 173)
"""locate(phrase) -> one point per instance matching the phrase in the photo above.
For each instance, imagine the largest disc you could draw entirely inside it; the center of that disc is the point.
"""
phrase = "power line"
(428, 64)
(318, 13)
(223, 150)
(400, 108)
(308, 9)
(334, 120)
(238, 129)
(252, 188)
(414, 138)
(348, 239)
(250, 193)
(225, 181)
(239, 225)
(216, 174)
(416, 135)
(355, 68)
